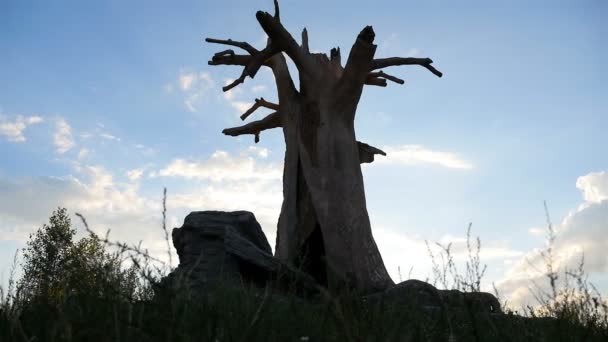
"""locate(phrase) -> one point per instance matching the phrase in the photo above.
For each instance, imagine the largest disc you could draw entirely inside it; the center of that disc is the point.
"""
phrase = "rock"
(229, 248)
(424, 295)
(471, 314)
(243, 221)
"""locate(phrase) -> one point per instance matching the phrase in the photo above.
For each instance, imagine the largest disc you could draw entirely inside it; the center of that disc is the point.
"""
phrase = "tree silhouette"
(323, 227)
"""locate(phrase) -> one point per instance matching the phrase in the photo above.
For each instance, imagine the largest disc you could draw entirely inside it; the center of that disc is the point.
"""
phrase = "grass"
(572, 311)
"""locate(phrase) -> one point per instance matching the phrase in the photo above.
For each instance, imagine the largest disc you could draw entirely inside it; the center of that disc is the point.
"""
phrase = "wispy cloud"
(109, 137)
(193, 85)
(232, 93)
(420, 155)
(62, 138)
(259, 88)
(13, 130)
(83, 153)
(135, 174)
(240, 106)
(223, 166)
(393, 45)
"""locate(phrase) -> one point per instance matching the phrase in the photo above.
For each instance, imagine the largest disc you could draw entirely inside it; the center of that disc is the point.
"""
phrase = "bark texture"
(324, 226)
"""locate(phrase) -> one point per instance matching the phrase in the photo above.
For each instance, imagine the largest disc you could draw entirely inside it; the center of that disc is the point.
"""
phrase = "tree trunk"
(324, 208)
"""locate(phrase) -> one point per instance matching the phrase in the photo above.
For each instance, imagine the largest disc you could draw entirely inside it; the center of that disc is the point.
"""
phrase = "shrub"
(56, 267)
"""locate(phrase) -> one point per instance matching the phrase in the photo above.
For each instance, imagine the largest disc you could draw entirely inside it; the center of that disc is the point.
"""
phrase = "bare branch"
(252, 63)
(236, 82)
(305, 41)
(358, 64)
(367, 152)
(228, 59)
(376, 81)
(259, 103)
(277, 63)
(395, 61)
(382, 75)
(283, 41)
(285, 87)
(335, 56)
(255, 127)
(259, 59)
(228, 52)
(243, 45)
(360, 58)
(277, 13)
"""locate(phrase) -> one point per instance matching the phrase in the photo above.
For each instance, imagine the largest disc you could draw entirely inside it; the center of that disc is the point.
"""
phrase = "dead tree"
(323, 227)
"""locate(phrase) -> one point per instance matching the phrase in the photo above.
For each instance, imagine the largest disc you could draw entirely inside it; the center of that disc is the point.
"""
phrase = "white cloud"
(34, 120)
(222, 166)
(145, 150)
(419, 155)
(14, 130)
(594, 186)
(412, 52)
(135, 174)
(232, 93)
(583, 232)
(259, 151)
(240, 106)
(258, 88)
(186, 81)
(109, 136)
(194, 86)
(83, 153)
(392, 45)
(63, 136)
(537, 231)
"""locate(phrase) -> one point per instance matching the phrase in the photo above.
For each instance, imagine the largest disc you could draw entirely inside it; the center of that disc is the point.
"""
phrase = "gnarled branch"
(358, 66)
(305, 41)
(236, 82)
(395, 61)
(252, 63)
(243, 45)
(335, 56)
(367, 152)
(255, 127)
(277, 13)
(282, 40)
(230, 59)
(253, 66)
(376, 81)
(259, 103)
(277, 63)
(379, 79)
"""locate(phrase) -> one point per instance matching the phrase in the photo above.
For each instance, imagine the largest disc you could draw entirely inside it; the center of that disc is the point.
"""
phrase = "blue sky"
(102, 104)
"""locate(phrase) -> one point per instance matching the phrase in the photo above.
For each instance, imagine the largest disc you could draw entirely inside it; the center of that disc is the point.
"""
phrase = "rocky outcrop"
(226, 247)
(425, 295)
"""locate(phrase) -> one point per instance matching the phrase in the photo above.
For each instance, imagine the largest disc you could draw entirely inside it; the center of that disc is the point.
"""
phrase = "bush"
(56, 267)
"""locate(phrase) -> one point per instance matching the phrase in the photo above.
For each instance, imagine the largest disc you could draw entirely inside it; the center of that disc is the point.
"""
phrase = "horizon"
(103, 105)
